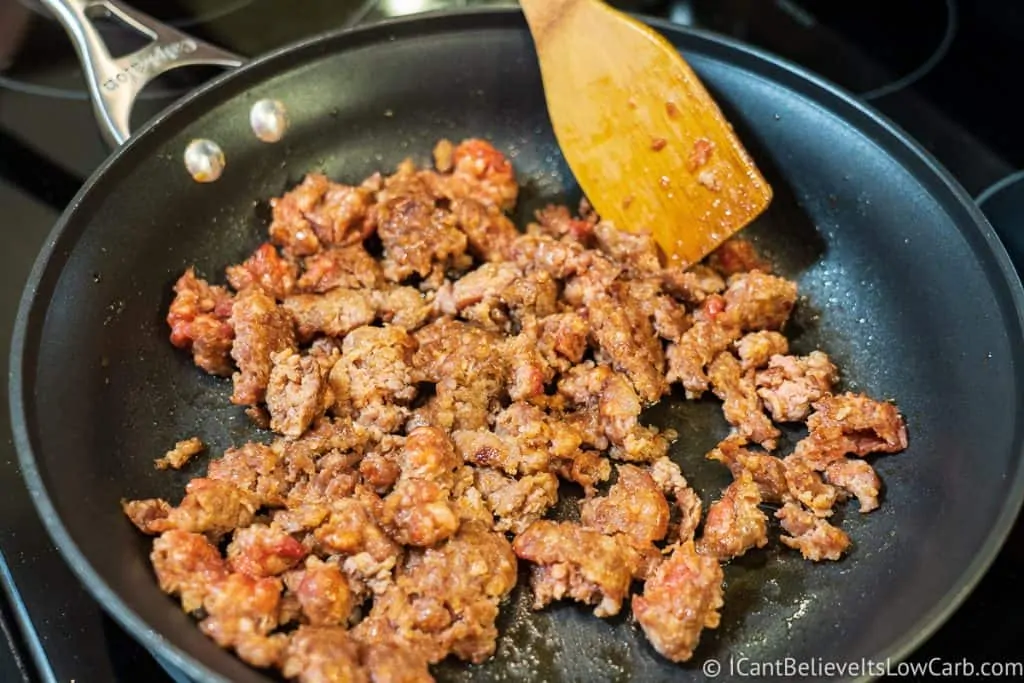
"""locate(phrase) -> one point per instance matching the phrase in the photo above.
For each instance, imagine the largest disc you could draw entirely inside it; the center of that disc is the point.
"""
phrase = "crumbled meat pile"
(432, 376)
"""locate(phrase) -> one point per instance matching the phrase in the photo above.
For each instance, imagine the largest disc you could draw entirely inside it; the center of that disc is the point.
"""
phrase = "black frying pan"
(906, 284)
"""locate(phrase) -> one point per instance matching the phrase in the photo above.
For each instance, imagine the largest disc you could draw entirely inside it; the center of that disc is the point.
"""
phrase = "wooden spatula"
(646, 142)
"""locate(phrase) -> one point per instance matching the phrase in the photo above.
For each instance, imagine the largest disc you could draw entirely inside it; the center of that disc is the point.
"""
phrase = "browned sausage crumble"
(428, 400)
(179, 456)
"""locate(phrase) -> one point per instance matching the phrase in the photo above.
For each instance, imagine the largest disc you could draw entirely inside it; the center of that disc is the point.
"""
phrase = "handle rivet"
(204, 160)
(269, 120)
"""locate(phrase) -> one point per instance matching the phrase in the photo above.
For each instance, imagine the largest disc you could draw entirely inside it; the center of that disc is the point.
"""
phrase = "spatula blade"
(647, 143)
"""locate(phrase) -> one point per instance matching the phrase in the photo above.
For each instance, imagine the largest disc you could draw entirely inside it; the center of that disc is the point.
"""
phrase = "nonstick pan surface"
(905, 286)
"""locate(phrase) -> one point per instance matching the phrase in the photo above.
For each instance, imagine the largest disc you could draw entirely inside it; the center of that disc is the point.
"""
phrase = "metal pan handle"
(115, 83)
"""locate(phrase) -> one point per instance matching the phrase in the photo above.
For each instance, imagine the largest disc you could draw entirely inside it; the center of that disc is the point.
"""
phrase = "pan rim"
(32, 311)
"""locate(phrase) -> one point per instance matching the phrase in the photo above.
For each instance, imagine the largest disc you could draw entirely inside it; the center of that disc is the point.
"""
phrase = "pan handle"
(115, 82)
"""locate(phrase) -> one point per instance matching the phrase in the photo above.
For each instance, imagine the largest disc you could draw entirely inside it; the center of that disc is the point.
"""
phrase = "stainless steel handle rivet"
(269, 120)
(204, 160)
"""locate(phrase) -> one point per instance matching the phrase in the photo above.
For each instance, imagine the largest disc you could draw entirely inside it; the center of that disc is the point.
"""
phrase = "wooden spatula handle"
(541, 14)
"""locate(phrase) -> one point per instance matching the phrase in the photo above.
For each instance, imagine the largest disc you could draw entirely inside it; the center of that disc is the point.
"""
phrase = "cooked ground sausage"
(669, 477)
(516, 503)
(261, 330)
(179, 456)
(445, 598)
(679, 601)
(350, 267)
(757, 349)
(198, 317)
(767, 471)
(296, 392)
(740, 403)
(267, 270)
(434, 380)
(734, 523)
(635, 506)
(813, 536)
(791, 384)
(571, 561)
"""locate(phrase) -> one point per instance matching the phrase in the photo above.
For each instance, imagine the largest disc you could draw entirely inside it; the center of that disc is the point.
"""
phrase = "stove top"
(941, 72)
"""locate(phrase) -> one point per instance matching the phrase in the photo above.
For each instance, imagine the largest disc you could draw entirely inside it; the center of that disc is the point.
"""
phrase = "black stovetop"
(941, 69)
